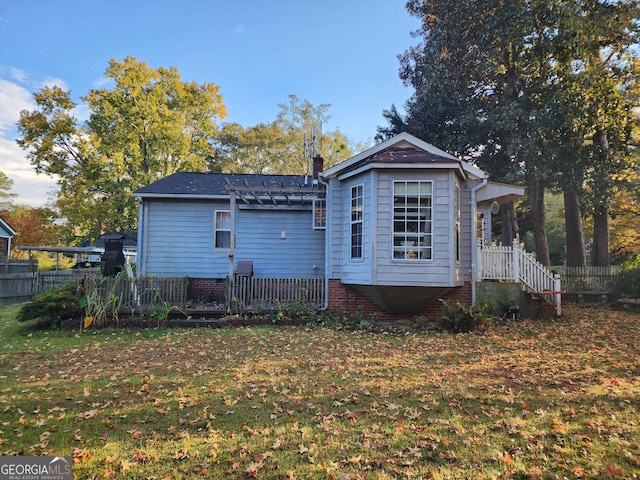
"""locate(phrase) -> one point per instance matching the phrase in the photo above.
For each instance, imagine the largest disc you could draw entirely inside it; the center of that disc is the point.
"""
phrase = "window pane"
(357, 215)
(319, 214)
(222, 234)
(223, 239)
(223, 220)
(412, 220)
(413, 189)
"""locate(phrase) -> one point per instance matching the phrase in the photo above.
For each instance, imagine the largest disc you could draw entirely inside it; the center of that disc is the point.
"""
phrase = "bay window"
(412, 220)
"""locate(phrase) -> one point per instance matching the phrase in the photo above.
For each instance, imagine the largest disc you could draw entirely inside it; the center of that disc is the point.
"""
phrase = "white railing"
(516, 265)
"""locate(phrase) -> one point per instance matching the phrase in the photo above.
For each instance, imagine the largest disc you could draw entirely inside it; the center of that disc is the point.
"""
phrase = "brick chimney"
(318, 165)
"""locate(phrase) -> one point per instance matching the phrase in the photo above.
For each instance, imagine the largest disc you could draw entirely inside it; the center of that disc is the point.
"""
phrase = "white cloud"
(54, 82)
(103, 82)
(18, 74)
(81, 112)
(13, 99)
(31, 188)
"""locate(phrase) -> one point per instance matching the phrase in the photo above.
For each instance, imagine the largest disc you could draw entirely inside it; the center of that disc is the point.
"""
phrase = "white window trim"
(354, 222)
(319, 201)
(216, 229)
(429, 234)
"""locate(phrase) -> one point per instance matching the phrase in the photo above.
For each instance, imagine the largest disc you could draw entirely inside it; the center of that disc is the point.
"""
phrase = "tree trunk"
(575, 232)
(600, 249)
(536, 194)
(509, 221)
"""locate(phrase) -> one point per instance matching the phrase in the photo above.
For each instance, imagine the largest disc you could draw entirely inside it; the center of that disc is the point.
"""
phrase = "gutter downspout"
(327, 236)
(474, 239)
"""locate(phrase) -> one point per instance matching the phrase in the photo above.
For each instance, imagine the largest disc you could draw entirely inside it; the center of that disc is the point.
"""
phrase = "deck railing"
(513, 263)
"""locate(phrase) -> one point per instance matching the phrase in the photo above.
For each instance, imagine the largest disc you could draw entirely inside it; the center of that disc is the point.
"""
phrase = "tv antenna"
(312, 144)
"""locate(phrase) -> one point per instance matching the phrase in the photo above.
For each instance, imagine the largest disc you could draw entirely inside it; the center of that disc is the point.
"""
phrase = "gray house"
(6, 234)
(205, 225)
(390, 230)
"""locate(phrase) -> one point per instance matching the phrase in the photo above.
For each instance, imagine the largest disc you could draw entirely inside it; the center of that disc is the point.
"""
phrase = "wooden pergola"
(267, 197)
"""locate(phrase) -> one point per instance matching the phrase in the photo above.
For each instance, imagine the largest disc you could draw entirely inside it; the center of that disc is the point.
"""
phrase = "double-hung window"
(412, 220)
(222, 232)
(319, 213)
(357, 204)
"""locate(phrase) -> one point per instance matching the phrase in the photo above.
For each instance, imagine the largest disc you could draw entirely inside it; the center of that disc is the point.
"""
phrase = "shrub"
(627, 282)
(460, 318)
(49, 308)
(300, 308)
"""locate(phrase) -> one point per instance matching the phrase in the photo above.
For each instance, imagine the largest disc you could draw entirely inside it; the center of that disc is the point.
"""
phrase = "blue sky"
(338, 52)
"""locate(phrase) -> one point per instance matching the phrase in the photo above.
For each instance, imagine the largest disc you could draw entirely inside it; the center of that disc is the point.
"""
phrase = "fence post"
(558, 296)
(478, 272)
(516, 261)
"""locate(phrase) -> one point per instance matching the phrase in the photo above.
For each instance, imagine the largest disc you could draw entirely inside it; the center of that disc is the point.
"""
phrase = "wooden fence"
(17, 287)
(588, 279)
(252, 294)
(18, 266)
(141, 294)
(54, 278)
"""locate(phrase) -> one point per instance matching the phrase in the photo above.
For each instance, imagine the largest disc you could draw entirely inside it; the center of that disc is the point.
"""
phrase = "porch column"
(516, 261)
(558, 296)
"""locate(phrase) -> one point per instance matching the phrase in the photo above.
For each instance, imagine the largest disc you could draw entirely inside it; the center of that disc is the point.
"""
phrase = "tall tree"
(261, 149)
(500, 82)
(35, 226)
(597, 64)
(299, 118)
(5, 190)
(279, 146)
(479, 92)
(149, 125)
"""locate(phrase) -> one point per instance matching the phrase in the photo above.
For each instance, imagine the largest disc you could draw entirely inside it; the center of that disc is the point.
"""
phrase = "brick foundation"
(344, 299)
(201, 287)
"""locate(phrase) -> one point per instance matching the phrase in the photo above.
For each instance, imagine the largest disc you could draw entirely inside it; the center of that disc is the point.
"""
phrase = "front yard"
(530, 400)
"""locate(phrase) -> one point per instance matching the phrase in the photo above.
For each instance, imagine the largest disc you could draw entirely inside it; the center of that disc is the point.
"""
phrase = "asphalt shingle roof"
(214, 184)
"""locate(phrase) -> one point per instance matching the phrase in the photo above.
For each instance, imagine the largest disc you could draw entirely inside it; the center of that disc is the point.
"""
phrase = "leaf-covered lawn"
(538, 400)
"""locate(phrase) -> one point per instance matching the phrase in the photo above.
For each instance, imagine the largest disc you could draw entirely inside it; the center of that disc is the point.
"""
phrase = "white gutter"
(474, 239)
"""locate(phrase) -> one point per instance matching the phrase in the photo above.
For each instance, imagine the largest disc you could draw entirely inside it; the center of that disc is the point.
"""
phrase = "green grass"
(557, 399)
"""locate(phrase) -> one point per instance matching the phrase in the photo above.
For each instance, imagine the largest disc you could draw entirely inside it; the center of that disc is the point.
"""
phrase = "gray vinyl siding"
(358, 270)
(378, 267)
(334, 229)
(180, 235)
(179, 240)
(467, 224)
(434, 272)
